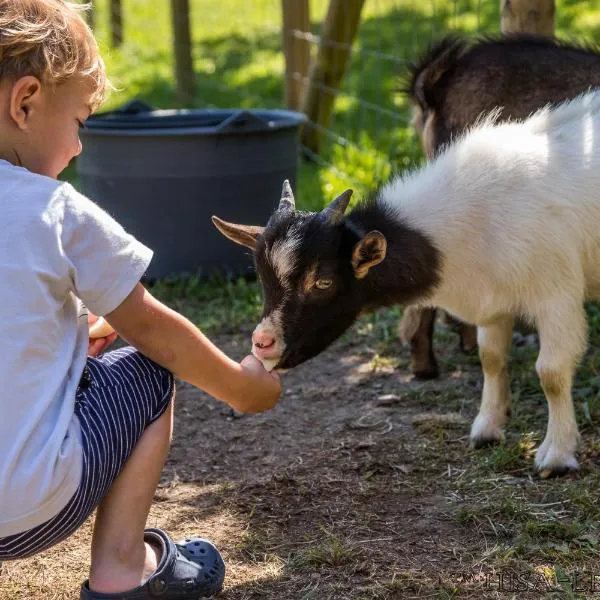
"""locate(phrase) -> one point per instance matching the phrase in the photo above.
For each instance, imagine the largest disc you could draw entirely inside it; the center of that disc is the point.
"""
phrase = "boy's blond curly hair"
(50, 40)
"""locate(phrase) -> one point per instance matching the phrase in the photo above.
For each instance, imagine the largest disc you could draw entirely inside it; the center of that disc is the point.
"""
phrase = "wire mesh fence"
(238, 60)
(369, 134)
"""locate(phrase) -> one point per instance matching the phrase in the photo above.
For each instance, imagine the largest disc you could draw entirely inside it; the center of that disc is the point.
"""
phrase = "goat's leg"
(466, 332)
(416, 328)
(562, 332)
(494, 346)
(468, 337)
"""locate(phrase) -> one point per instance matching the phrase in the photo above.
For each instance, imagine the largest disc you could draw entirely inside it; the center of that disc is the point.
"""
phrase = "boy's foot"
(189, 570)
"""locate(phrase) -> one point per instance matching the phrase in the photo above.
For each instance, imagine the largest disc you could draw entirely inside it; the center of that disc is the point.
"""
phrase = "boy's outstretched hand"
(263, 389)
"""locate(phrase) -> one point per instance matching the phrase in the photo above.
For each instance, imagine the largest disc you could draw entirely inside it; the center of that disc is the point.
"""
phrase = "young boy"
(79, 432)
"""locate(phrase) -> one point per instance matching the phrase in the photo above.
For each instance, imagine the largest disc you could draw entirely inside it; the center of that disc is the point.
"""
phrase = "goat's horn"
(287, 201)
(335, 211)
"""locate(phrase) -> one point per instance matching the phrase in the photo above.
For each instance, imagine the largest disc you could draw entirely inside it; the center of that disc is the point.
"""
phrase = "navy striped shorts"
(121, 393)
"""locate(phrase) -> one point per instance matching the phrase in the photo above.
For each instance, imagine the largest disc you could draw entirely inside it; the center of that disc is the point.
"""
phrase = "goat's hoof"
(485, 442)
(552, 463)
(426, 372)
(426, 375)
(556, 472)
(484, 432)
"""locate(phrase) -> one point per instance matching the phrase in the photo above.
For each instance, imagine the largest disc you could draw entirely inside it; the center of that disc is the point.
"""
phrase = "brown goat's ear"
(367, 253)
(244, 235)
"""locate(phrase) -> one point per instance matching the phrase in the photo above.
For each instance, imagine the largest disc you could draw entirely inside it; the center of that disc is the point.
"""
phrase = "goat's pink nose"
(262, 340)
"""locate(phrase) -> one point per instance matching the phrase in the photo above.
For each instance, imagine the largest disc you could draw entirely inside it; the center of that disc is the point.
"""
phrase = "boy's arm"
(169, 339)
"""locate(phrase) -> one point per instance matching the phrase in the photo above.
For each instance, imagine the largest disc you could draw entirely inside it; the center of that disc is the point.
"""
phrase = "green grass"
(217, 304)
(330, 551)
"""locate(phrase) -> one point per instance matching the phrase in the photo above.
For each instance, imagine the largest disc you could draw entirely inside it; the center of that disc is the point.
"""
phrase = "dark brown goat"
(452, 85)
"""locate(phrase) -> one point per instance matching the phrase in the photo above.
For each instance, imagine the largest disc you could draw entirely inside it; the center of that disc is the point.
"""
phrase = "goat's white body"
(514, 209)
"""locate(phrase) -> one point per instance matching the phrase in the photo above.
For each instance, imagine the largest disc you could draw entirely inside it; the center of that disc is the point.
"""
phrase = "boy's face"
(39, 127)
(53, 129)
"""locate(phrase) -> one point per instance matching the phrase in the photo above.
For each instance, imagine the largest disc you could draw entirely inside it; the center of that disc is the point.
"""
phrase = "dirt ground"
(358, 485)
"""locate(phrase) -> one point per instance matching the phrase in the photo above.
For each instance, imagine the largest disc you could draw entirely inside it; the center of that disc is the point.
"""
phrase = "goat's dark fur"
(457, 81)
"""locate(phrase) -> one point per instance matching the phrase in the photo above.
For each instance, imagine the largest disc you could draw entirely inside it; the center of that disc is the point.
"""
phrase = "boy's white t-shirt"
(57, 250)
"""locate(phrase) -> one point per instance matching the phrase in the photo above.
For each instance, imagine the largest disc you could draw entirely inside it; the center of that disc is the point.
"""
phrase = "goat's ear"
(367, 253)
(245, 235)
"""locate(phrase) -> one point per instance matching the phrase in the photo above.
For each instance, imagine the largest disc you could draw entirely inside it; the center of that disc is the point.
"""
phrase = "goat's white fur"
(282, 257)
(514, 209)
(271, 325)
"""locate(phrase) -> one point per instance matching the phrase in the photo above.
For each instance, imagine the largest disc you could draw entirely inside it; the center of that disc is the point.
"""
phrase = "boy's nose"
(79, 147)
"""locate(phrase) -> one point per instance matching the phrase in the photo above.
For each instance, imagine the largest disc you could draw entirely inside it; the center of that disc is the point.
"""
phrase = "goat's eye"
(323, 284)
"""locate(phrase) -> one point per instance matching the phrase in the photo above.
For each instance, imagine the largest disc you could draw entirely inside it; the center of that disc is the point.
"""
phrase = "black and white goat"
(457, 81)
(503, 223)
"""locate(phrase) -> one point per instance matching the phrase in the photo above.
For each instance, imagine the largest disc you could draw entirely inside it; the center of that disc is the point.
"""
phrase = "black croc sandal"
(189, 570)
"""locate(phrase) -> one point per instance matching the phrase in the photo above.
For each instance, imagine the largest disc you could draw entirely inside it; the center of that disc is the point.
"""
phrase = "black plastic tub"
(163, 173)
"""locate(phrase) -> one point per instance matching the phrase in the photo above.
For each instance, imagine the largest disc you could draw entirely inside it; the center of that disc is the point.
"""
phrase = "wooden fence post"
(527, 16)
(116, 23)
(296, 19)
(339, 30)
(182, 46)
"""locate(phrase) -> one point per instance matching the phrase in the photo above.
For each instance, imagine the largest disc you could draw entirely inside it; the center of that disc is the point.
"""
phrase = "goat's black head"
(314, 270)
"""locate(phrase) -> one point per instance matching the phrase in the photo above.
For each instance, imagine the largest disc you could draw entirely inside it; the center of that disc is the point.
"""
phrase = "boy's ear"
(25, 96)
